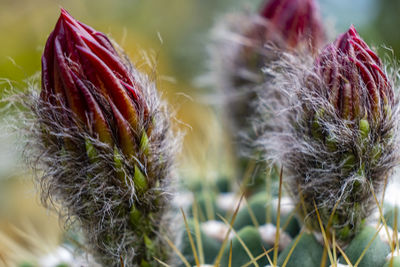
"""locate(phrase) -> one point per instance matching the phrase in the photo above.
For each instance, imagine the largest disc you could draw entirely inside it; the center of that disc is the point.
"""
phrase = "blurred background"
(173, 36)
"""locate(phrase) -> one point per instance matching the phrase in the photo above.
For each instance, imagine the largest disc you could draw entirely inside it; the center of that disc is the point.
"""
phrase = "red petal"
(360, 53)
(385, 87)
(126, 138)
(47, 68)
(95, 120)
(113, 87)
(78, 28)
(74, 98)
(109, 59)
(100, 37)
(371, 86)
(272, 7)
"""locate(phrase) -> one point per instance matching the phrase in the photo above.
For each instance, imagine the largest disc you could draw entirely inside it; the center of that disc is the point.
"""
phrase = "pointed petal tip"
(64, 13)
(352, 30)
(66, 16)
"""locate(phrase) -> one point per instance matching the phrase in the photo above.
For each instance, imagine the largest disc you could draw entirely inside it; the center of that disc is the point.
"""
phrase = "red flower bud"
(334, 129)
(358, 86)
(294, 22)
(82, 71)
(102, 141)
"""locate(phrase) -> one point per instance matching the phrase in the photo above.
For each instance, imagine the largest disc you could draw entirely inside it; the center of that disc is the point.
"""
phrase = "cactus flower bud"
(293, 25)
(246, 47)
(81, 68)
(358, 86)
(292, 22)
(246, 43)
(101, 137)
(338, 136)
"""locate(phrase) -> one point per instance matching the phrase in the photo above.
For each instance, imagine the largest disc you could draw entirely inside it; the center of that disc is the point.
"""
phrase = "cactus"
(101, 143)
(246, 235)
(244, 229)
(335, 132)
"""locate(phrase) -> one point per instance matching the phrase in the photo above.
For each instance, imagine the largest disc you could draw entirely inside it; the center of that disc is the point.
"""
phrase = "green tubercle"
(344, 233)
(240, 256)
(90, 151)
(349, 161)
(316, 130)
(150, 246)
(306, 252)
(364, 128)
(144, 263)
(139, 180)
(118, 165)
(135, 215)
(393, 262)
(376, 253)
(144, 144)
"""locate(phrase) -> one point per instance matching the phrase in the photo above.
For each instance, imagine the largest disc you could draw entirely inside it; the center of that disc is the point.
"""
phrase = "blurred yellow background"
(172, 34)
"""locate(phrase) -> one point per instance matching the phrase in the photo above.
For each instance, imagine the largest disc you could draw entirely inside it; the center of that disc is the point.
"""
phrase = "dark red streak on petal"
(96, 118)
(73, 97)
(47, 67)
(109, 59)
(113, 85)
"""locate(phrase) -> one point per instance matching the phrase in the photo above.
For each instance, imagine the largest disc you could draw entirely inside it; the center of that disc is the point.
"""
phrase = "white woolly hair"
(238, 52)
(316, 169)
(233, 75)
(89, 193)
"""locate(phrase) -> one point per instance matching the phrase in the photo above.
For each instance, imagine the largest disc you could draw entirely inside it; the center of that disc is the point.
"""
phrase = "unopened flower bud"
(246, 47)
(81, 70)
(358, 85)
(102, 139)
(338, 132)
(292, 23)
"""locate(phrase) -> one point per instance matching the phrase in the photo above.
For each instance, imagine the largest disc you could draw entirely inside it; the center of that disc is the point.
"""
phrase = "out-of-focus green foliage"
(387, 24)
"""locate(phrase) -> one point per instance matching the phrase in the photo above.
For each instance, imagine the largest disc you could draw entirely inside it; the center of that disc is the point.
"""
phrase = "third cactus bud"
(338, 132)
(358, 86)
